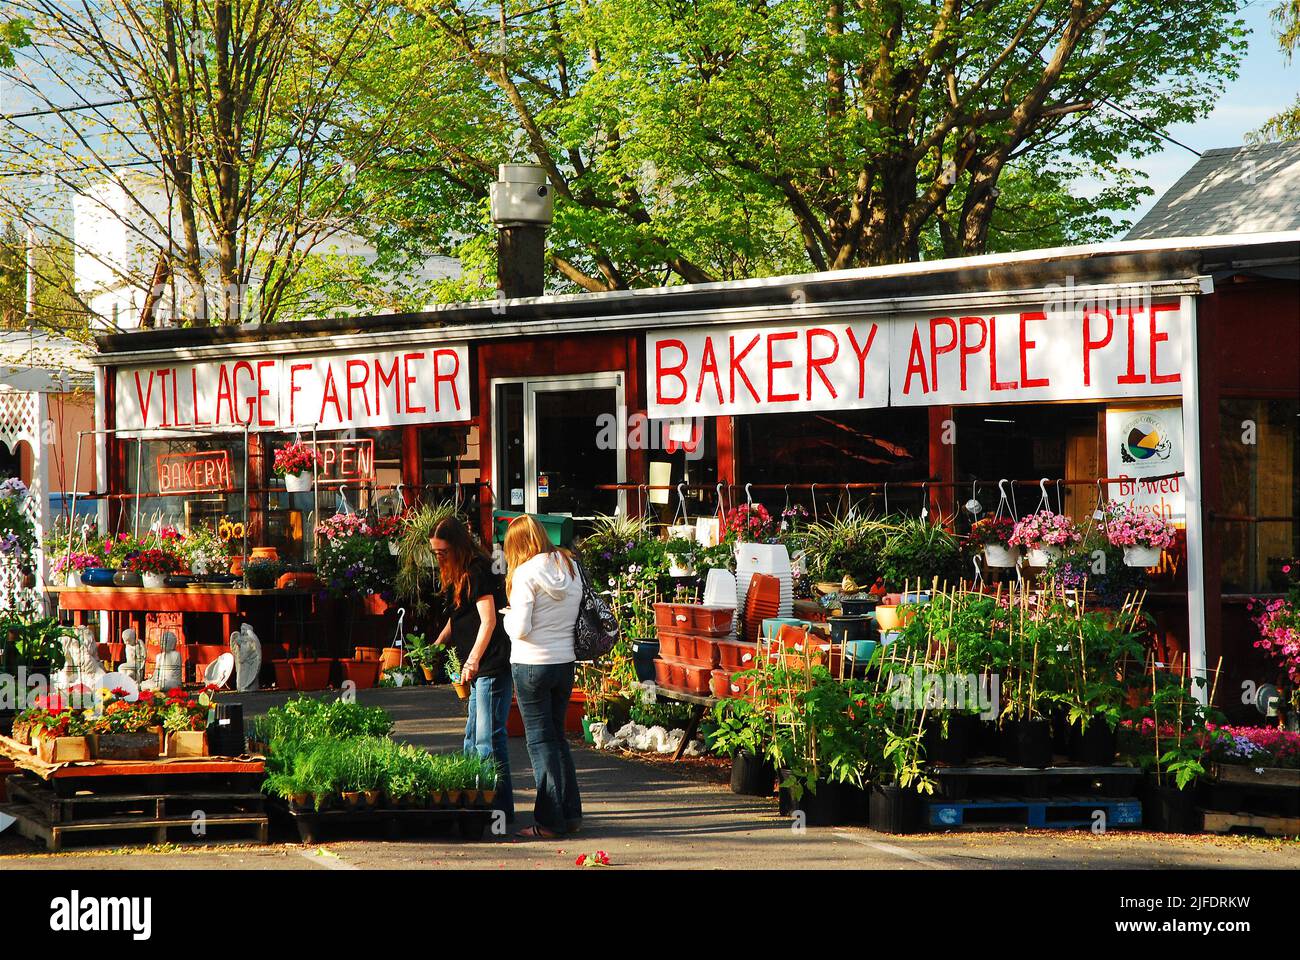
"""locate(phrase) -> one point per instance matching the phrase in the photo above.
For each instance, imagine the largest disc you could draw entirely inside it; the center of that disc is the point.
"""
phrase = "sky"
(1266, 84)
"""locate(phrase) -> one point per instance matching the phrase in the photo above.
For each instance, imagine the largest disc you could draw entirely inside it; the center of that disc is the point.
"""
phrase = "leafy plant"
(262, 573)
(416, 579)
(846, 546)
(916, 552)
(741, 728)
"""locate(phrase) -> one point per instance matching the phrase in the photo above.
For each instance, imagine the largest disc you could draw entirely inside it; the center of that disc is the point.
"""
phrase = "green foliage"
(35, 641)
(13, 36)
(741, 728)
(1285, 125)
(916, 552)
(417, 568)
(847, 546)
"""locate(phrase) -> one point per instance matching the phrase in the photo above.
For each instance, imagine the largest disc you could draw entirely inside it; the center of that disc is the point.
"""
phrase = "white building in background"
(119, 228)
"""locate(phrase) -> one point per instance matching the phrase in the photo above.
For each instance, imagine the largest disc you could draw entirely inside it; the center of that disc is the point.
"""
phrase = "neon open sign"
(345, 461)
(205, 472)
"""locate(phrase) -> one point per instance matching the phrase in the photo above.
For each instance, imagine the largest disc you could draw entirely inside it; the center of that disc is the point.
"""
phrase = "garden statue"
(167, 672)
(134, 667)
(81, 661)
(247, 649)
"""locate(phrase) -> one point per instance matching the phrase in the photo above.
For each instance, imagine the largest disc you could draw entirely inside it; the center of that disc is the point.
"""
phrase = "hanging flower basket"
(1141, 555)
(295, 463)
(1042, 556)
(298, 482)
(999, 555)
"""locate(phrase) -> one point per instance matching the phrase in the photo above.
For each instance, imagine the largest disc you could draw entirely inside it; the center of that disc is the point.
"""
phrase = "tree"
(236, 111)
(13, 36)
(1285, 125)
(694, 140)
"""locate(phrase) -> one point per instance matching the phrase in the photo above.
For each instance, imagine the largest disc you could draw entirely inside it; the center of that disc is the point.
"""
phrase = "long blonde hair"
(525, 539)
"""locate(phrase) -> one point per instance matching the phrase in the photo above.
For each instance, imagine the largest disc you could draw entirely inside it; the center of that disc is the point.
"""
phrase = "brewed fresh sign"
(1145, 446)
(1088, 352)
(333, 391)
(207, 471)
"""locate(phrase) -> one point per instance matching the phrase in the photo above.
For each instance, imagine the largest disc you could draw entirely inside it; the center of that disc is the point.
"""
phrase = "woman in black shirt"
(475, 593)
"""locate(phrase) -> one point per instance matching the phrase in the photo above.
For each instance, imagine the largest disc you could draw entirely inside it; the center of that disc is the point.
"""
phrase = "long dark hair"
(453, 569)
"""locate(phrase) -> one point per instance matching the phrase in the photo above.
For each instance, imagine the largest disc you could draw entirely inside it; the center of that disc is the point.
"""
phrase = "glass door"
(558, 439)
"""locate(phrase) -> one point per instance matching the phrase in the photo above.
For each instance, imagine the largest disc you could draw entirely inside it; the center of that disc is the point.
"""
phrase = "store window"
(1259, 450)
(359, 473)
(1029, 442)
(185, 482)
(450, 456)
(835, 448)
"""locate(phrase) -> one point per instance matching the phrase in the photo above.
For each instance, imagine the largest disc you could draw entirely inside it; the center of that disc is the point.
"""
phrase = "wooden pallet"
(57, 809)
(1273, 777)
(1221, 821)
(393, 822)
(1001, 780)
(31, 823)
(1035, 813)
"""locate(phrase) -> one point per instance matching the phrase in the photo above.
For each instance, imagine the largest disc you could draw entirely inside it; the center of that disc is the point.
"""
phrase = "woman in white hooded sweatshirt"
(545, 591)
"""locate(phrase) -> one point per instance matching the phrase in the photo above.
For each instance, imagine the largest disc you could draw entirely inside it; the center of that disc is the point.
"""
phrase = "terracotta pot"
(375, 605)
(264, 553)
(462, 690)
(368, 653)
(237, 564)
(390, 659)
(300, 801)
(887, 617)
(284, 679)
(488, 797)
(352, 799)
(363, 673)
(311, 673)
(453, 798)
(429, 674)
(298, 580)
(370, 798)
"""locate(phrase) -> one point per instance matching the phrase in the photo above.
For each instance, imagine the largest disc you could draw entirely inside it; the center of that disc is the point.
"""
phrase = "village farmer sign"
(332, 391)
(1091, 352)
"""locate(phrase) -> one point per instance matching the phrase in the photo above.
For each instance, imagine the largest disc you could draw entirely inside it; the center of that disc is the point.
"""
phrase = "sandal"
(536, 832)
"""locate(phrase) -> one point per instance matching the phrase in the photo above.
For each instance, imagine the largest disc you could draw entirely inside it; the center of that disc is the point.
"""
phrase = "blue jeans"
(543, 692)
(485, 731)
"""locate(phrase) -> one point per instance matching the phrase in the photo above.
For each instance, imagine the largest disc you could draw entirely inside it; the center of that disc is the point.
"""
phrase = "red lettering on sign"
(144, 396)
(226, 392)
(861, 351)
(673, 371)
(294, 388)
(994, 383)
(935, 349)
(708, 365)
(1025, 346)
(773, 365)
(263, 391)
(247, 368)
(815, 363)
(1157, 338)
(408, 380)
(353, 384)
(162, 391)
(735, 364)
(1089, 344)
(966, 350)
(386, 380)
(449, 377)
(329, 395)
(915, 363)
(1132, 376)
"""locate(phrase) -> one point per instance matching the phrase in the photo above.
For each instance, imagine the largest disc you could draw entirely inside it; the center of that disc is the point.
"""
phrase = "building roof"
(1248, 189)
(894, 287)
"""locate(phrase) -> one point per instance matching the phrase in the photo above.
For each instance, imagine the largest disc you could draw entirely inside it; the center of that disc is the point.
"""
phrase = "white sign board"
(332, 391)
(1143, 444)
(1080, 352)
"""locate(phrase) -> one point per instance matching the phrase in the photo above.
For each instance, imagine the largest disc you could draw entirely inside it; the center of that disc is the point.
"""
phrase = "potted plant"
(994, 535)
(1044, 536)
(453, 668)
(153, 565)
(1142, 534)
(185, 722)
(741, 734)
(70, 565)
(129, 730)
(262, 574)
(681, 557)
(916, 553)
(296, 463)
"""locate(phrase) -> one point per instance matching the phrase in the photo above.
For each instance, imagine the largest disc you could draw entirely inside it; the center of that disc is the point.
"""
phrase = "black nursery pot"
(1095, 746)
(952, 749)
(849, 629)
(752, 776)
(1169, 810)
(1034, 743)
(1010, 745)
(895, 809)
(1062, 731)
(857, 606)
(820, 809)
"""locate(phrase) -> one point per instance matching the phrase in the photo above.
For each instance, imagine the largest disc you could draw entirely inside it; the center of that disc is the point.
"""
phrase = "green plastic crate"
(558, 528)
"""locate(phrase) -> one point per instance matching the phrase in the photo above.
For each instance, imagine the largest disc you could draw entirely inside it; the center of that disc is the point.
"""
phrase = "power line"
(58, 110)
